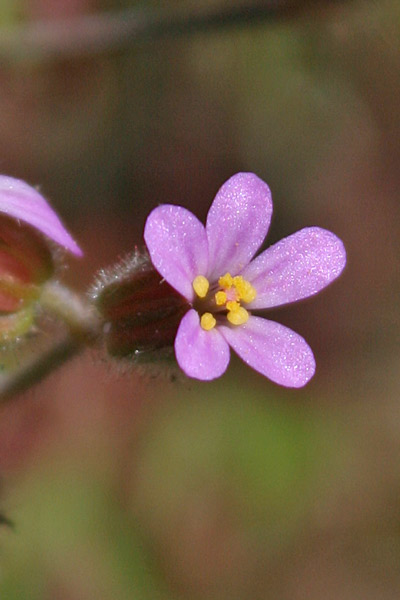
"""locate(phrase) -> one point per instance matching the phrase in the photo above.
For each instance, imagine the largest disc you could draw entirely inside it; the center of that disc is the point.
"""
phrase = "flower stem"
(82, 330)
(37, 369)
(79, 316)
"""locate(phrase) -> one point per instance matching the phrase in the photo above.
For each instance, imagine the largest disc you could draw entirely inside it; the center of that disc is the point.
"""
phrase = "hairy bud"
(140, 311)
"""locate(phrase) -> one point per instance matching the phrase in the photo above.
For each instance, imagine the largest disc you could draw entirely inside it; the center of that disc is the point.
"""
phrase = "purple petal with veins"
(237, 223)
(177, 244)
(273, 350)
(296, 267)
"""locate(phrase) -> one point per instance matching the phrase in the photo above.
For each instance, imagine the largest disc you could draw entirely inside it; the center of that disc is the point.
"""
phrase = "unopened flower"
(212, 268)
(140, 312)
(27, 223)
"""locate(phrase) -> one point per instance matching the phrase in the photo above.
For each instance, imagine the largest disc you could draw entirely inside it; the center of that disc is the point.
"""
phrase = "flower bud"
(25, 263)
(29, 227)
(140, 310)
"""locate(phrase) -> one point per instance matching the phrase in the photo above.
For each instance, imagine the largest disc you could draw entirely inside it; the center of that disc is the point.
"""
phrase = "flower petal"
(296, 267)
(177, 244)
(272, 349)
(21, 201)
(237, 223)
(200, 354)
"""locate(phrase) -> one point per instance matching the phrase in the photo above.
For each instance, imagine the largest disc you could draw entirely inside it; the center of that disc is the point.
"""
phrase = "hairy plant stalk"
(82, 330)
(78, 315)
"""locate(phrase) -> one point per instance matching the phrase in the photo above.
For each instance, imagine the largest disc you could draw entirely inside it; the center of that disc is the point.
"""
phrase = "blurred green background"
(125, 486)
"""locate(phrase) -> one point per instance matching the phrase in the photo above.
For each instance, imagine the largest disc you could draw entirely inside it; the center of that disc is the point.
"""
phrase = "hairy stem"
(82, 330)
(78, 315)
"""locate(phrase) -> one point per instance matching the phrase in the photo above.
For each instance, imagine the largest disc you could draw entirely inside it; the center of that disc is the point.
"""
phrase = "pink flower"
(212, 268)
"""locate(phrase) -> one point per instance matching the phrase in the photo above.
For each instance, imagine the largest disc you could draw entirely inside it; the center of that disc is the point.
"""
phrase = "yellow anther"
(226, 281)
(234, 291)
(220, 298)
(200, 285)
(207, 321)
(244, 289)
(232, 305)
(238, 317)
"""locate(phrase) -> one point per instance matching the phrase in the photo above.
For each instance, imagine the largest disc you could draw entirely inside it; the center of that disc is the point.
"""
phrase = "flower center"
(228, 295)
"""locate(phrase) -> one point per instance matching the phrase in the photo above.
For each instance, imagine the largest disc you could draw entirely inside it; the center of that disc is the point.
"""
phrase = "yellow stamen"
(238, 317)
(207, 321)
(200, 285)
(245, 290)
(220, 298)
(232, 305)
(234, 291)
(226, 281)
